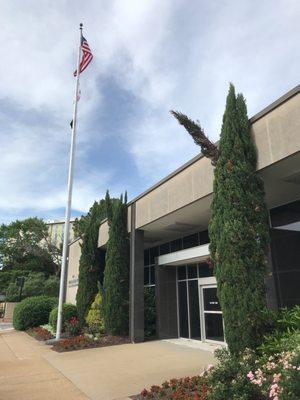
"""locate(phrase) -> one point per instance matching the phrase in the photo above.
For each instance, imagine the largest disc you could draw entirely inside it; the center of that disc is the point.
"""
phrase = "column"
(136, 319)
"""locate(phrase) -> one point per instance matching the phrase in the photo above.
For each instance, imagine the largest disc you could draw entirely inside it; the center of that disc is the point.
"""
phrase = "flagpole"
(64, 266)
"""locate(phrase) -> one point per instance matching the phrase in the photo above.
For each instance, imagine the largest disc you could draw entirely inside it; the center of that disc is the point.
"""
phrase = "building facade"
(169, 243)
(56, 231)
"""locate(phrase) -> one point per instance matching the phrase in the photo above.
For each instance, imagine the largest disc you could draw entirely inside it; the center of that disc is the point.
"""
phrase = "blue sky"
(149, 57)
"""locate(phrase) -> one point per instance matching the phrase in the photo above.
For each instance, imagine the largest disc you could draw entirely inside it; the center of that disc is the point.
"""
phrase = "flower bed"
(189, 388)
(86, 342)
(40, 333)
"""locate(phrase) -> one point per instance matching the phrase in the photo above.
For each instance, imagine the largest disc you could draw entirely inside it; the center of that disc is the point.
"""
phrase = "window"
(285, 247)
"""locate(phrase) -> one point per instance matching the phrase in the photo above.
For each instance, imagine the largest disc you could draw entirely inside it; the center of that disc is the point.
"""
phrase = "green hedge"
(33, 311)
(69, 311)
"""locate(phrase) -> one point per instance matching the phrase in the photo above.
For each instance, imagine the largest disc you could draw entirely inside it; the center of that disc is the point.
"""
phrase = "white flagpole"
(64, 266)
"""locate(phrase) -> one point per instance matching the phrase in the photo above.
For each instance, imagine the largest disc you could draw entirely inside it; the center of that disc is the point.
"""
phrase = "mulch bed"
(40, 333)
(83, 342)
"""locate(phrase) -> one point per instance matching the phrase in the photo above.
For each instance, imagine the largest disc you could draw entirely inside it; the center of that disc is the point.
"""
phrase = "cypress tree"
(116, 274)
(92, 260)
(238, 230)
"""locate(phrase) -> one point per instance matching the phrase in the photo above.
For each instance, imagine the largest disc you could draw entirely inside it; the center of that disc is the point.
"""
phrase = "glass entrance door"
(211, 314)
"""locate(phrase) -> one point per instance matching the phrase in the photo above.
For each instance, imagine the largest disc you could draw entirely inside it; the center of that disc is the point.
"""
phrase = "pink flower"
(250, 375)
(209, 367)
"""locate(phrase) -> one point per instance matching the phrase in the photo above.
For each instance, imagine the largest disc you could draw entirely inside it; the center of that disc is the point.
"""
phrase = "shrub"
(229, 379)
(33, 311)
(279, 376)
(72, 327)
(69, 311)
(34, 285)
(286, 334)
(94, 318)
(150, 311)
(51, 286)
(12, 292)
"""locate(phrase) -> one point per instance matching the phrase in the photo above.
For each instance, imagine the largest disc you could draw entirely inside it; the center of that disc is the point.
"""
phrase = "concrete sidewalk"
(31, 370)
(26, 375)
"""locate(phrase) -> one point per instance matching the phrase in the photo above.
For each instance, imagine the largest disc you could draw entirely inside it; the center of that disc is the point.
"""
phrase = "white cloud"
(168, 55)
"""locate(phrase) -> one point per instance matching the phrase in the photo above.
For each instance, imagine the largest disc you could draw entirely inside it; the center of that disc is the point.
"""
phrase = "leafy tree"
(25, 245)
(116, 274)
(36, 284)
(238, 228)
(92, 259)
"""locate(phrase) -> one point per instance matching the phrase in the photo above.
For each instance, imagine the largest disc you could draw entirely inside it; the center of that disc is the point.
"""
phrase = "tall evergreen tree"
(92, 260)
(238, 230)
(116, 274)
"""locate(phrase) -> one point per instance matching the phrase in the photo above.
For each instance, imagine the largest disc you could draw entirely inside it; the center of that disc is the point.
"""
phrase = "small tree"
(238, 230)
(91, 263)
(94, 317)
(116, 274)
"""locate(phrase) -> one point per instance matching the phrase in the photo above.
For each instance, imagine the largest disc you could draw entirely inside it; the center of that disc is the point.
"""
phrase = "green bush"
(12, 292)
(34, 285)
(149, 311)
(229, 379)
(94, 318)
(286, 334)
(69, 311)
(51, 286)
(33, 311)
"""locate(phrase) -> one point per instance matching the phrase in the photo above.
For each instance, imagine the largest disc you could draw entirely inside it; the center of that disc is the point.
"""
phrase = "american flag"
(87, 56)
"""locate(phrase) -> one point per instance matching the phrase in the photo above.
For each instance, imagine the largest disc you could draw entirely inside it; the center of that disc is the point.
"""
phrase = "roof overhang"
(186, 256)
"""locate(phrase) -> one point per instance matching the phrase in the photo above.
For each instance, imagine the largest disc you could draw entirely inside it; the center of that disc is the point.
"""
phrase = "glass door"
(211, 315)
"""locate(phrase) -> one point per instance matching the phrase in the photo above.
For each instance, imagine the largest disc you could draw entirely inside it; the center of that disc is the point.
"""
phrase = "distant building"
(56, 231)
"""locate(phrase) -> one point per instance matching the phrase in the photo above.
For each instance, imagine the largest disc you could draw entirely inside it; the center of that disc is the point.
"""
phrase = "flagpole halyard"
(64, 266)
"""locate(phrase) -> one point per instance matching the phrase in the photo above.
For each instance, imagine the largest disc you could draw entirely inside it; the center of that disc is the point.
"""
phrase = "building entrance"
(198, 308)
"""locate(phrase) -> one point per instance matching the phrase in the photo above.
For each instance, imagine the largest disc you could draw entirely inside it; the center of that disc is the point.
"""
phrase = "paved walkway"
(5, 325)
(31, 370)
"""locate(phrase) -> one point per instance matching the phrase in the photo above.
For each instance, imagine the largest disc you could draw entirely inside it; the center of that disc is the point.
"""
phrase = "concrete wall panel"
(73, 271)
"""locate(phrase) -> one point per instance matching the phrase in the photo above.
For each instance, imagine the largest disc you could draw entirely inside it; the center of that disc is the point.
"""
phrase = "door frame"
(204, 285)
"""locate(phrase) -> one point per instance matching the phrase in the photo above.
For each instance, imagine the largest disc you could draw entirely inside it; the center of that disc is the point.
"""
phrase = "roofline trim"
(291, 93)
(74, 240)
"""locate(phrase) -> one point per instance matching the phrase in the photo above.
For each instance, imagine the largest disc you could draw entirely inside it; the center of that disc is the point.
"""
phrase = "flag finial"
(81, 25)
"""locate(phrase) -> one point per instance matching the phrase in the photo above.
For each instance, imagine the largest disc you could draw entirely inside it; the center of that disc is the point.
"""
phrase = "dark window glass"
(176, 245)
(164, 249)
(181, 272)
(286, 214)
(190, 241)
(211, 301)
(146, 276)
(183, 310)
(203, 237)
(153, 254)
(192, 271)
(214, 327)
(289, 285)
(146, 257)
(152, 275)
(205, 270)
(194, 310)
(285, 249)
